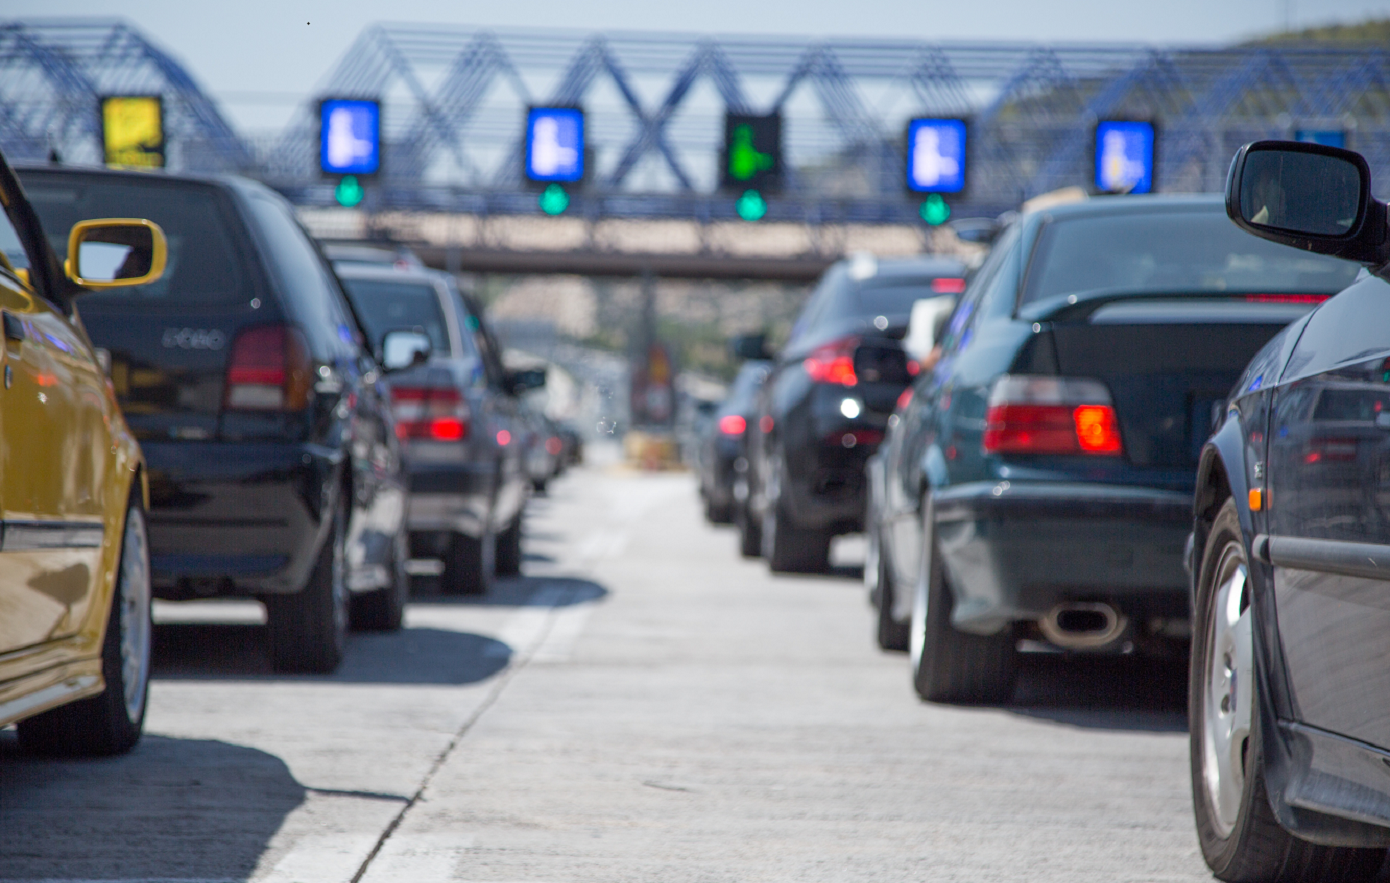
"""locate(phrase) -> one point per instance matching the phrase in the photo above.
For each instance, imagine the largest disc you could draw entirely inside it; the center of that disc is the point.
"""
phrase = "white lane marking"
(559, 642)
(322, 858)
(418, 858)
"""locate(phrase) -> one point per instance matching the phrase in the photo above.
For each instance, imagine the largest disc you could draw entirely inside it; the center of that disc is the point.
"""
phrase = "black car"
(825, 404)
(1040, 488)
(458, 417)
(723, 449)
(274, 468)
(1288, 695)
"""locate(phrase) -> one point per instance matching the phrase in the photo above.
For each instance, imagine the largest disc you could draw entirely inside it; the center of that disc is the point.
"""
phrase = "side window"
(990, 292)
(818, 303)
(487, 344)
(316, 300)
(12, 254)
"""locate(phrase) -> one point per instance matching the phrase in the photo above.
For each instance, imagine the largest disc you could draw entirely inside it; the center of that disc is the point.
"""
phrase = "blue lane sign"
(1124, 156)
(936, 156)
(349, 136)
(1325, 137)
(555, 144)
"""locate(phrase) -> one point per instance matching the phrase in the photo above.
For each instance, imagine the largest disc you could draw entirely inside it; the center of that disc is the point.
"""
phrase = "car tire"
(750, 532)
(716, 513)
(469, 565)
(507, 552)
(792, 549)
(890, 634)
(308, 629)
(1241, 840)
(949, 665)
(383, 610)
(110, 722)
(539, 485)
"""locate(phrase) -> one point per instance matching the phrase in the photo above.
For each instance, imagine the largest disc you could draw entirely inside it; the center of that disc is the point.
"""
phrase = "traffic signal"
(349, 136)
(553, 200)
(1124, 156)
(349, 191)
(752, 155)
(554, 145)
(132, 131)
(936, 155)
(935, 210)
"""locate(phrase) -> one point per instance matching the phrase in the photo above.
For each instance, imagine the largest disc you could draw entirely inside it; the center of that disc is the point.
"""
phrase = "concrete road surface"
(644, 706)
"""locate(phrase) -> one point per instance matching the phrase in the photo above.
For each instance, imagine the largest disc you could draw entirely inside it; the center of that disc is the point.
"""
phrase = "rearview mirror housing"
(116, 253)
(525, 380)
(750, 346)
(404, 348)
(1308, 196)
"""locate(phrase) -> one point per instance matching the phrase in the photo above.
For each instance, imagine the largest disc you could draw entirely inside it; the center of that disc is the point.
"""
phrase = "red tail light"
(833, 363)
(269, 369)
(1051, 415)
(436, 413)
(732, 424)
(1331, 450)
(553, 446)
(1287, 298)
(948, 285)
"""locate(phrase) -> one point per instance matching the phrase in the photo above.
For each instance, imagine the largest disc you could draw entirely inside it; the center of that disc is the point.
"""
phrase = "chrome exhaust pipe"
(1083, 626)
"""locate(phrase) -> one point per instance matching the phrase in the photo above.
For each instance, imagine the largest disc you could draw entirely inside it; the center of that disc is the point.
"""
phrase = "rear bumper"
(1013, 551)
(452, 500)
(239, 519)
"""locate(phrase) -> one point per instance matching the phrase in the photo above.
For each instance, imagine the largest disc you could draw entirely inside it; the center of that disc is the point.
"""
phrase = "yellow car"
(74, 563)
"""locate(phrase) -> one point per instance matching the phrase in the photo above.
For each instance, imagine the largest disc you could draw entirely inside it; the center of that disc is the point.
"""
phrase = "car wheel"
(750, 532)
(507, 555)
(716, 513)
(384, 609)
(539, 485)
(1240, 837)
(469, 564)
(110, 722)
(949, 665)
(891, 634)
(308, 629)
(792, 549)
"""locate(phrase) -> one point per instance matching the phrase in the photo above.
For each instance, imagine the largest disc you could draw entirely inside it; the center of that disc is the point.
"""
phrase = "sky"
(261, 58)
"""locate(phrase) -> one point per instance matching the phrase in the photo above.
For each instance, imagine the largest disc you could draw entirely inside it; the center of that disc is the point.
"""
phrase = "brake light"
(903, 398)
(1051, 415)
(553, 446)
(1331, 450)
(732, 424)
(948, 285)
(269, 369)
(833, 363)
(433, 413)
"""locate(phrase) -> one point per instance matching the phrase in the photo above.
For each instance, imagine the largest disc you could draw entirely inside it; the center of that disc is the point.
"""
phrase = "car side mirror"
(116, 253)
(881, 362)
(980, 231)
(1309, 196)
(750, 346)
(404, 349)
(525, 380)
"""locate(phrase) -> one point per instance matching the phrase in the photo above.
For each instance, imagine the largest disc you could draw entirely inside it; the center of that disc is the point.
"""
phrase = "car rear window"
(1179, 252)
(206, 263)
(390, 305)
(895, 298)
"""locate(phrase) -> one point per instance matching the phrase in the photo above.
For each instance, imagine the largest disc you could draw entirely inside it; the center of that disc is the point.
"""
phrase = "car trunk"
(1167, 365)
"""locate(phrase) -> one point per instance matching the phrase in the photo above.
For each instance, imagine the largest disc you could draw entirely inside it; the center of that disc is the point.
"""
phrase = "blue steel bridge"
(454, 100)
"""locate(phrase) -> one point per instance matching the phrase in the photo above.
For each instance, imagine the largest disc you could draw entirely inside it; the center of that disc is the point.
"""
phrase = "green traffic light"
(751, 206)
(934, 210)
(349, 191)
(745, 160)
(554, 200)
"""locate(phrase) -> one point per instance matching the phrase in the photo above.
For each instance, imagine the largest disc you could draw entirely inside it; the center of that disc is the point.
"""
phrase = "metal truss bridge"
(454, 100)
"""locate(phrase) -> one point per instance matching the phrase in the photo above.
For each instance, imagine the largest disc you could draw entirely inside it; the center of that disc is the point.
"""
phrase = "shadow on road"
(171, 809)
(1104, 692)
(522, 591)
(410, 656)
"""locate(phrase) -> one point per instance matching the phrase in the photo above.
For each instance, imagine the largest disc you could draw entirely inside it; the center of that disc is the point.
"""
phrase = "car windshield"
(1179, 252)
(391, 305)
(204, 264)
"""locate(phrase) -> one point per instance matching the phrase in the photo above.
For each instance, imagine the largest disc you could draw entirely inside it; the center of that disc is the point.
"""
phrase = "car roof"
(387, 273)
(1147, 203)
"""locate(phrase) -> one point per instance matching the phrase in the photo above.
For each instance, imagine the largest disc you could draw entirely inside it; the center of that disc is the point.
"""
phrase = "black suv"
(274, 466)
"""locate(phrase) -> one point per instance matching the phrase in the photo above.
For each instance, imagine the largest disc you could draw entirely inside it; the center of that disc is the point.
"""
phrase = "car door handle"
(14, 328)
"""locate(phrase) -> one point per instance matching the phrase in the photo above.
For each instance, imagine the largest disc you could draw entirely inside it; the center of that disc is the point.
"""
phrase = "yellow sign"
(132, 131)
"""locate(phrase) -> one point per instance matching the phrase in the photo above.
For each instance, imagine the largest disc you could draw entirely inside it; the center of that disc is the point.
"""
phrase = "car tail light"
(434, 413)
(903, 398)
(833, 363)
(732, 424)
(553, 446)
(269, 370)
(853, 438)
(948, 285)
(1287, 298)
(1331, 450)
(1051, 415)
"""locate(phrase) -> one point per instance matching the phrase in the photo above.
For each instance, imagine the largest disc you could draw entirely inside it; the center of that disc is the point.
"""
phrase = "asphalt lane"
(642, 705)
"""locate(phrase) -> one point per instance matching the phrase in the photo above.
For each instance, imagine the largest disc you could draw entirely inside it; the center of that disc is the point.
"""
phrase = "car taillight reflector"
(833, 363)
(436, 413)
(269, 369)
(1051, 415)
(948, 285)
(732, 424)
